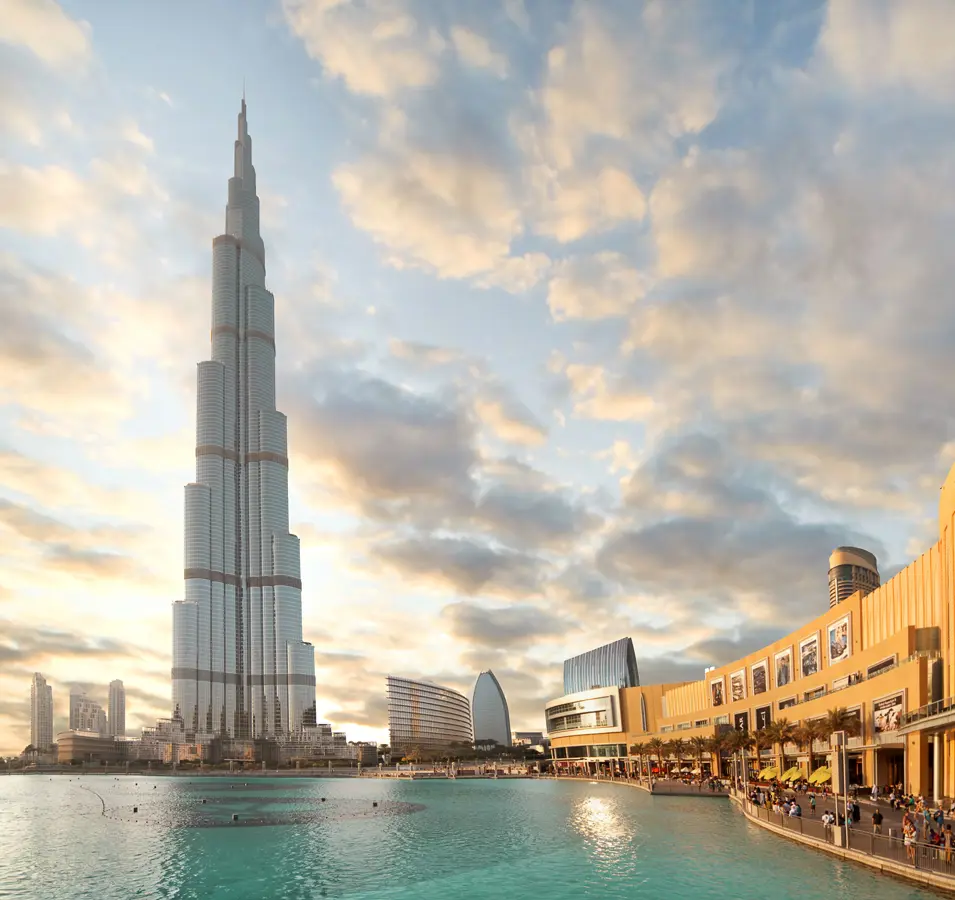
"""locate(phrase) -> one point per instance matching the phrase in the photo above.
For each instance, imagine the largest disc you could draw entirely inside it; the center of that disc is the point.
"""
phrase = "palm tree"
(840, 719)
(677, 748)
(779, 732)
(805, 734)
(716, 746)
(700, 745)
(657, 746)
(639, 750)
(760, 740)
(737, 741)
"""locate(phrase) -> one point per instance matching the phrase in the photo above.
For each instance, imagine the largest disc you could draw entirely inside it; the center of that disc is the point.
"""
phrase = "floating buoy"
(235, 817)
(203, 799)
(375, 803)
(323, 799)
(135, 809)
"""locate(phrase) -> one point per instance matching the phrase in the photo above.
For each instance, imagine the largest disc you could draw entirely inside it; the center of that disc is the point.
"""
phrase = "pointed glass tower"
(240, 666)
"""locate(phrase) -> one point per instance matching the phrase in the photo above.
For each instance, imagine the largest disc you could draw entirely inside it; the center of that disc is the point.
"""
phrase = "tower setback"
(240, 666)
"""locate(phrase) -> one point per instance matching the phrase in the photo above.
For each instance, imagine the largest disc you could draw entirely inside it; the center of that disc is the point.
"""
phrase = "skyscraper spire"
(240, 666)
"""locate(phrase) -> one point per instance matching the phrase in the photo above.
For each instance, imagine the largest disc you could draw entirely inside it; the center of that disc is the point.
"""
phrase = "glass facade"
(490, 717)
(613, 665)
(41, 713)
(240, 666)
(426, 716)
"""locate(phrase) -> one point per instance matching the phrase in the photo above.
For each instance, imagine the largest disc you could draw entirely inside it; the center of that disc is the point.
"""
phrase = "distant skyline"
(597, 319)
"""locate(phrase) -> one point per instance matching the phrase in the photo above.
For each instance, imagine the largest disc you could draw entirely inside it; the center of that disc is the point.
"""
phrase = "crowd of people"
(921, 823)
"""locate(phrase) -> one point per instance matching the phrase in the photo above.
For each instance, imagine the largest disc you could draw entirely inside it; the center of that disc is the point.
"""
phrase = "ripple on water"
(425, 840)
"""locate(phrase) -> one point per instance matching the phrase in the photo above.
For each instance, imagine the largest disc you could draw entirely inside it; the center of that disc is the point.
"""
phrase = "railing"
(929, 710)
(922, 856)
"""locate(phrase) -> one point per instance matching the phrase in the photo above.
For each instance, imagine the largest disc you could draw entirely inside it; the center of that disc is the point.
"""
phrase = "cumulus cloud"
(474, 50)
(43, 28)
(376, 47)
(595, 287)
(512, 627)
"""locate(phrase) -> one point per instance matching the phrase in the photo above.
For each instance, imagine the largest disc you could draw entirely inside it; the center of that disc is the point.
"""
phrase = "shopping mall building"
(883, 652)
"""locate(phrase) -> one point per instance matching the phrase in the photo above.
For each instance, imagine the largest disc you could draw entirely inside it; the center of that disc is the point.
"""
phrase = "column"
(937, 768)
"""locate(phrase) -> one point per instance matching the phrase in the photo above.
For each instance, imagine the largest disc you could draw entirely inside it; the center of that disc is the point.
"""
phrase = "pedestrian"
(877, 822)
(812, 804)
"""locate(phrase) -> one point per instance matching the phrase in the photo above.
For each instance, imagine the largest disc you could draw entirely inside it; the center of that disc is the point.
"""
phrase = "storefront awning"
(768, 772)
(821, 775)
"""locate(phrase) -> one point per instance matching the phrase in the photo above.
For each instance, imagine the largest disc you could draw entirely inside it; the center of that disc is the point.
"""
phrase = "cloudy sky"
(594, 319)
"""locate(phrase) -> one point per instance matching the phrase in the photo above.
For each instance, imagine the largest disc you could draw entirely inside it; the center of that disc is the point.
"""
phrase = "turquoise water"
(62, 839)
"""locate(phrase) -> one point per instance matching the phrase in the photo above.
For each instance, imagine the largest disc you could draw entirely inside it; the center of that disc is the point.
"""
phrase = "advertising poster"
(887, 712)
(880, 667)
(716, 692)
(741, 721)
(764, 715)
(809, 656)
(837, 638)
(738, 685)
(761, 677)
(784, 667)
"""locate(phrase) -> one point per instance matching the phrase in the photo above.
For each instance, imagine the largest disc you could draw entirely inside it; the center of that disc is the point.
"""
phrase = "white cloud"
(475, 51)
(892, 43)
(600, 286)
(42, 27)
(374, 46)
(132, 133)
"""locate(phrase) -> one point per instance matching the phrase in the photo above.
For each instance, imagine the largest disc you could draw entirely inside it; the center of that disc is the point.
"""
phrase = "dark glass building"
(613, 665)
(492, 721)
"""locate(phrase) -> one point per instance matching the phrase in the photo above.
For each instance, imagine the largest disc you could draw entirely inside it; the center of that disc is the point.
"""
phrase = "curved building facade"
(851, 569)
(240, 666)
(426, 716)
(880, 663)
(612, 665)
(489, 715)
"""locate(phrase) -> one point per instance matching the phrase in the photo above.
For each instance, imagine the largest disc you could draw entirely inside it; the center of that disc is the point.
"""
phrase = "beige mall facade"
(888, 656)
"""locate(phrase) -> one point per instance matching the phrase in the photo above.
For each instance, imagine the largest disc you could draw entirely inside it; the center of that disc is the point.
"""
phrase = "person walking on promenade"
(877, 822)
(947, 844)
(812, 804)
(908, 839)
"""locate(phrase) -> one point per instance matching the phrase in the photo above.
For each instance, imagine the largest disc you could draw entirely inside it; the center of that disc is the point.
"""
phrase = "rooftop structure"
(612, 665)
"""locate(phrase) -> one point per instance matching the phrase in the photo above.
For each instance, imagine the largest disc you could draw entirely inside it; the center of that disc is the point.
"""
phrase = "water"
(63, 839)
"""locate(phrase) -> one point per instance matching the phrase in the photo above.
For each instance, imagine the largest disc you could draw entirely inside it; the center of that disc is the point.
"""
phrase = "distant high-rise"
(87, 715)
(851, 569)
(117, 708)
(612, 665)
(489, 715)
(426, 716)
(41, 713)
(240, 666)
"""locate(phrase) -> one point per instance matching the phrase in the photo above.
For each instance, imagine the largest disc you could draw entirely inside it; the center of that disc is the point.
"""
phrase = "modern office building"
(851, 569)
(883, 660)
(117, 708)
(426, 716)
(87, 715)
(489, 716)
(240, 666)
(612, 665)
(529, 738)
(41, 713)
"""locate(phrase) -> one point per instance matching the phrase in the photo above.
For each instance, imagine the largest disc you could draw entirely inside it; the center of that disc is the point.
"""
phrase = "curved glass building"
(612, 665)
(426, 716)
(489, 714)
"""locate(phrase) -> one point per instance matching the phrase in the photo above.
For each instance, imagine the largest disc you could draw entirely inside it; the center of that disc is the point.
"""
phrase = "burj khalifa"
(240, 667)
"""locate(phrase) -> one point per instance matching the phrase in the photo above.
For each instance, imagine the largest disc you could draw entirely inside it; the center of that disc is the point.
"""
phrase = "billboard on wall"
(839, 640)
(741, 721)
(738, 685)
(784, 667)
(809, 656)
(764, 715)
(716, 692)
(760, 673)
(880, 667)
(887, 712)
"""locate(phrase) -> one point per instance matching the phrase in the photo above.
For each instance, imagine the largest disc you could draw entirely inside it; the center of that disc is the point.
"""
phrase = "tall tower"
(489, 714)
(117, 708)
(41, 713)
(851, 569)
(240, 666)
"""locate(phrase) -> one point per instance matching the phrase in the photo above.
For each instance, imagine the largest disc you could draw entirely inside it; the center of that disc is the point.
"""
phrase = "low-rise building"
(87, 747)
(884, 657)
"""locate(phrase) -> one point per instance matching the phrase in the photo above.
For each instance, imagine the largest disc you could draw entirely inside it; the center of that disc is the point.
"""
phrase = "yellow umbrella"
(789, 774)
(768, 772)
(821, 775)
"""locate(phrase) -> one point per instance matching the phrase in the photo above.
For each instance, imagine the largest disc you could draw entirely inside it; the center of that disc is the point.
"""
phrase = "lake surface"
(62, 839)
